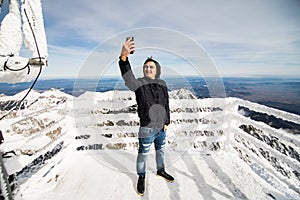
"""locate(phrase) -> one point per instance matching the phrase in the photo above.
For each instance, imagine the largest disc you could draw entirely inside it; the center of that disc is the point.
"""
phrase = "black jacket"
(151, 96)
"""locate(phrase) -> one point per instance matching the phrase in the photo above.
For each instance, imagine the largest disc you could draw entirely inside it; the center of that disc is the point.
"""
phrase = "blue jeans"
(150, 135)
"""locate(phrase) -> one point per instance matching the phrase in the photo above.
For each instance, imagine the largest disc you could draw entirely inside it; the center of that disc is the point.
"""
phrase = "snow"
(33, 10)
(206, 151)
(53, 92)
(10, 31)
(14, 31)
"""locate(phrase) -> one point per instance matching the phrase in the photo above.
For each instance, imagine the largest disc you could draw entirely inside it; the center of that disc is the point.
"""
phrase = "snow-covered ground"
(63, 147)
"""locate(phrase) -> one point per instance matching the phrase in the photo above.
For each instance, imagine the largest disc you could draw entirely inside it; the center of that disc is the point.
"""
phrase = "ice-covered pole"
(4, 184)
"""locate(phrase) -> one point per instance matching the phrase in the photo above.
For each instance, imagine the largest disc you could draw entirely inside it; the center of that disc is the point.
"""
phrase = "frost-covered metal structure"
(21, 32)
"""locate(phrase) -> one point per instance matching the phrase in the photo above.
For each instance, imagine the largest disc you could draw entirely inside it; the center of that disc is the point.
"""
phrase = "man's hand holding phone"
(127, 48)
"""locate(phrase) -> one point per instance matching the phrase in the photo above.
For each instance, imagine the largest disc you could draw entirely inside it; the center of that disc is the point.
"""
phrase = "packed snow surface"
(63, 147)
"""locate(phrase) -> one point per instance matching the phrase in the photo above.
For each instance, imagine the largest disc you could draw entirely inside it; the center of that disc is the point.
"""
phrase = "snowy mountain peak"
(182, 94)
(31, 96)
(53, 92)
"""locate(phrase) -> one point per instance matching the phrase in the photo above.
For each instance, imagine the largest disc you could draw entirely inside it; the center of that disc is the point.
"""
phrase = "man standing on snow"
(153, 110)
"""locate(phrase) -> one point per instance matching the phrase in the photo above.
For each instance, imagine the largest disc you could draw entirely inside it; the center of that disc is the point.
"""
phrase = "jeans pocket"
(145, 132)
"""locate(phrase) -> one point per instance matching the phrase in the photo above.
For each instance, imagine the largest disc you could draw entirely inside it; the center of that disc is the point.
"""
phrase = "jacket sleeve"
(127, 75)
(167, 107)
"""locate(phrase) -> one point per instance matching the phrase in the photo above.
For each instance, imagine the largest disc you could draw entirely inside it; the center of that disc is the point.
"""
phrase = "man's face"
(150, 70)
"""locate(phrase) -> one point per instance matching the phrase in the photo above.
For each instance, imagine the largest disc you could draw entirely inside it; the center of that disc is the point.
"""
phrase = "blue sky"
(242, 38)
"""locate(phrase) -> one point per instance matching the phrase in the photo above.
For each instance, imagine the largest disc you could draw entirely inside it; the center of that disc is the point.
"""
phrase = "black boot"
(165, 175)
(141, 185)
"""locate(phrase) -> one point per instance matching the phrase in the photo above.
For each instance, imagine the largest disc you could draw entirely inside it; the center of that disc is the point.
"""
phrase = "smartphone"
(132, 39)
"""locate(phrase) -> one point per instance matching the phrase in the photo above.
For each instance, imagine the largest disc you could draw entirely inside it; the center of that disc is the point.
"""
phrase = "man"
(153, 110)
